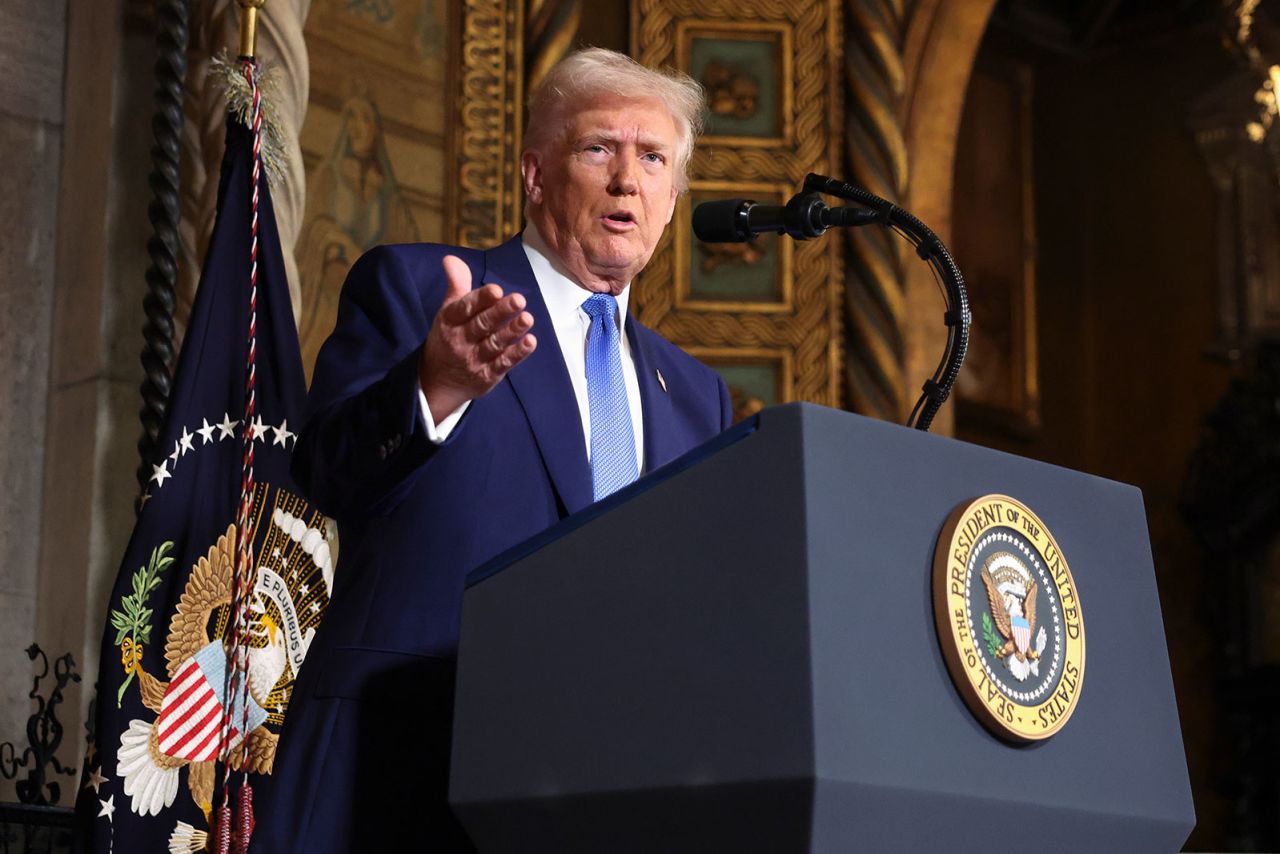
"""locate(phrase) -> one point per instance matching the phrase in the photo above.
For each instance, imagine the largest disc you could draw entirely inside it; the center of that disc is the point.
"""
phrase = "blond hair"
(594, 72)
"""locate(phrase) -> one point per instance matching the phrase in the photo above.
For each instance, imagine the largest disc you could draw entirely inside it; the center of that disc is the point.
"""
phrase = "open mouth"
(620, 217)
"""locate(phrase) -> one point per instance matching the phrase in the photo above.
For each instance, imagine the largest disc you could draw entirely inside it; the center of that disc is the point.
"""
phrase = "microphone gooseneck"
(931, 249)
(806, 216)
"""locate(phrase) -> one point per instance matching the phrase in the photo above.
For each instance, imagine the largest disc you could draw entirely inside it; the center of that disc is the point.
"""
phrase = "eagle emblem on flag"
(228, 571)
(191, 707)
(1011, 595)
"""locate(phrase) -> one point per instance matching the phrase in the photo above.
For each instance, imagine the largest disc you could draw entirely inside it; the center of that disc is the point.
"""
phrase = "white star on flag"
(159, 473)
(206, 431)
(185, 441)
(177, 449)
(282, 434)
(227, 428)
(108, 808)
(95, 779)
(259, 429)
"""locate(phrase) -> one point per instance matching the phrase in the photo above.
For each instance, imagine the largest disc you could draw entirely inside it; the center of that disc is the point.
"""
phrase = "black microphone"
(805, 216)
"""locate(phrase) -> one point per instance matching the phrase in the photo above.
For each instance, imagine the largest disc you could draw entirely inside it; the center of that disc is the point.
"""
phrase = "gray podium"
(738, 654)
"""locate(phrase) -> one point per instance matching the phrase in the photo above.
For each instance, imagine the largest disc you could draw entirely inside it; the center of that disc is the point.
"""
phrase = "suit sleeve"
(364, 441)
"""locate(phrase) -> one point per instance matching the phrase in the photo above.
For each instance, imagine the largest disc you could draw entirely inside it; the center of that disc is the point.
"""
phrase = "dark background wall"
(1126, 291)
(1126, 280)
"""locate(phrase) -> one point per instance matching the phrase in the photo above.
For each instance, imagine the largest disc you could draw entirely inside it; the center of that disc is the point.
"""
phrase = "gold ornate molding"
(804, 322)
(875, 285)
(489, 123)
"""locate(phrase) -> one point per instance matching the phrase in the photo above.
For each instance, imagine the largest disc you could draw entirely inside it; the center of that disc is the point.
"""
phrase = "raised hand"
(476, 337)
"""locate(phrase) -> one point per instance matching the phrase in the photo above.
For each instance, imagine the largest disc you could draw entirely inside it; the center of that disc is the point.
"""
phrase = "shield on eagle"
(1021, 633)
(190, 725)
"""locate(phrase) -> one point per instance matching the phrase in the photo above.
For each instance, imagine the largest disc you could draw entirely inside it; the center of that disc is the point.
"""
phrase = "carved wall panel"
(488, 123)
(766, 314)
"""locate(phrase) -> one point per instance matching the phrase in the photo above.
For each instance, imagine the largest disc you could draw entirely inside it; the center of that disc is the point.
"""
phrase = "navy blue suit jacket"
(363, 757)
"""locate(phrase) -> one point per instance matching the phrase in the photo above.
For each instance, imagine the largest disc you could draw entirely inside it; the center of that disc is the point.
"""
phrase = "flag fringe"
(229, 77)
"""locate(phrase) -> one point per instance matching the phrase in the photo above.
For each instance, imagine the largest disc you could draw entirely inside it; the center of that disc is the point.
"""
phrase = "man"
(448, 423)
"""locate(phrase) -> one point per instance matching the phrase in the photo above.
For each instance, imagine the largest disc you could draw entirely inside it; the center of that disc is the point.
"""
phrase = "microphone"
(805, 216)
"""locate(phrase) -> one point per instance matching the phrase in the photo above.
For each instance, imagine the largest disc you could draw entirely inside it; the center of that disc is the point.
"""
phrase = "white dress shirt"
(564, 298)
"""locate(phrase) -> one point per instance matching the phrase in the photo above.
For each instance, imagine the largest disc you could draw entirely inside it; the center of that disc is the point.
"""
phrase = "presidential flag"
(168, 712)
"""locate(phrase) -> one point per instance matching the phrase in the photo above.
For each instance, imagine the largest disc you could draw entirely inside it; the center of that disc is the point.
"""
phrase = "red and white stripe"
(192, 717)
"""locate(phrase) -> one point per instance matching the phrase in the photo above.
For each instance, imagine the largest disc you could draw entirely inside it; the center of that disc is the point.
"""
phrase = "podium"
(738, 653)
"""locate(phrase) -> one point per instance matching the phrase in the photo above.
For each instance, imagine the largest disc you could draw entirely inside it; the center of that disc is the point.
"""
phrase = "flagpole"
(229, 839)
(249, 26)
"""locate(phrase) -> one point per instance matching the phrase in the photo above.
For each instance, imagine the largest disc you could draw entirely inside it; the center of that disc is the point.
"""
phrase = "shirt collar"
(562, 294)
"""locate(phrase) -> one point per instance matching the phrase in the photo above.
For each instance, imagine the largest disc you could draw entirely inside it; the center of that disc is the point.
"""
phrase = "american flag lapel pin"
(661, 381)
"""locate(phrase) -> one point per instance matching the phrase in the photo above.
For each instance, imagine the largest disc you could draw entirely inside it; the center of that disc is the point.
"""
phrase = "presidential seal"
(1008, 618)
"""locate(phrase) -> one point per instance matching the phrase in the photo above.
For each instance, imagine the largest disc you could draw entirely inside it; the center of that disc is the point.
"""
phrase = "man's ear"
(531, 173)
(671, 209)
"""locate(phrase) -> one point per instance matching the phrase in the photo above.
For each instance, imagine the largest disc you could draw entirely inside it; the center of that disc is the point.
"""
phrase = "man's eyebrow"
(652, 143)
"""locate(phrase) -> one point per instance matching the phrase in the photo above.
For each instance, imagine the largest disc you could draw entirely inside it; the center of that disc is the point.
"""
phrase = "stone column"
(32, 57)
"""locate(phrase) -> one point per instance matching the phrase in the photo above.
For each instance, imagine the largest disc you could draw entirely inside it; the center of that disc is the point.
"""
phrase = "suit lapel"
(655, 401)
(541, 383)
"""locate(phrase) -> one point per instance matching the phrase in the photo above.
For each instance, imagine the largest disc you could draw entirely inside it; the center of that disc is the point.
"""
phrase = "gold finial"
(249, 26)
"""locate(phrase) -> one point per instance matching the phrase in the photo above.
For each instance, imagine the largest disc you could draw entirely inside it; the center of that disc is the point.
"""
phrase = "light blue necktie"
(613, 444)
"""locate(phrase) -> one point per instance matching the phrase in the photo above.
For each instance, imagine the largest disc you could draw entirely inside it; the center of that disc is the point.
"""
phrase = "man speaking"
(465, 401)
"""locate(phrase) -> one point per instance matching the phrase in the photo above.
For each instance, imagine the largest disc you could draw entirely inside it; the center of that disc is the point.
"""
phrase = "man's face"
(602, 192)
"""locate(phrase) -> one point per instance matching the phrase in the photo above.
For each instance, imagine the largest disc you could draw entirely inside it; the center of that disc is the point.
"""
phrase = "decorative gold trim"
(809, 332)
(489, 126)
(688, 30)
(683, 261)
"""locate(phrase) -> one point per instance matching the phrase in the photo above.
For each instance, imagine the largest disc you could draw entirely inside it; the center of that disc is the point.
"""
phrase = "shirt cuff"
(438, 433)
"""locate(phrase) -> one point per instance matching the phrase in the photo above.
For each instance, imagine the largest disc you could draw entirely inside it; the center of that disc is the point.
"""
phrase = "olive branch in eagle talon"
(992, 640)
(133, 622)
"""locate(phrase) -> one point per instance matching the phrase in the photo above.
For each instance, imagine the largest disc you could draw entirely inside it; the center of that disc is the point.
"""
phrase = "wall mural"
(374, 142)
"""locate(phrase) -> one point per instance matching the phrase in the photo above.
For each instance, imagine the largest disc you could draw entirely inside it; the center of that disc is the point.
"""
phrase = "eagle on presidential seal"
(1011, 593)
(191, 706)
